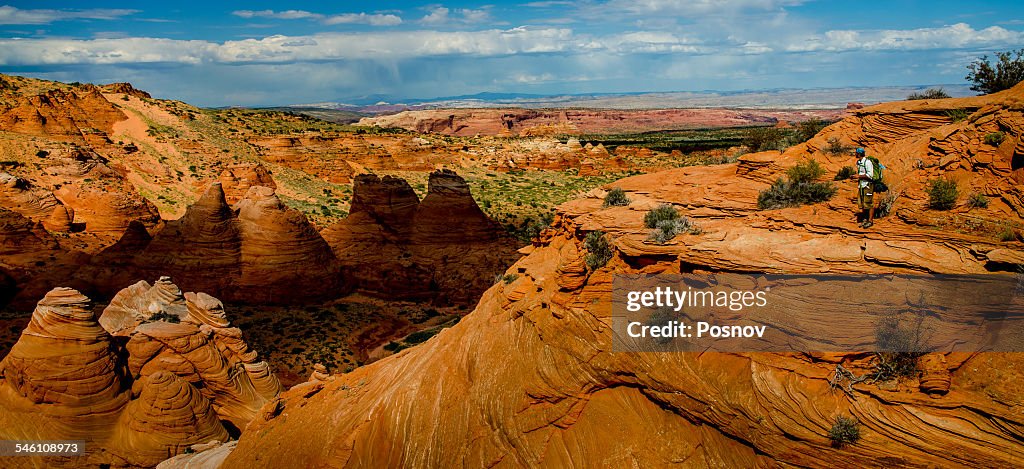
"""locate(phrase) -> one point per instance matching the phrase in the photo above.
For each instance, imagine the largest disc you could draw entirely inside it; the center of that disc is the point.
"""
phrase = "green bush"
(836, 146)
(807, 129)
(599, 250)
(1008, 234)
(844, 173)
(662, 213)
(616, 198)
(930, 93)
(898, 347)
(942, 193)
(806, 171)
(995, 138)
(799, 189)
(764, 138)
(957, 115)
(668, 229)
(1002, 75)
(846, 431)
(977, 201)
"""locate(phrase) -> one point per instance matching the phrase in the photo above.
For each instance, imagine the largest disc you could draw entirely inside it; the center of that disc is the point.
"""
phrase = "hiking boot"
(867, 224)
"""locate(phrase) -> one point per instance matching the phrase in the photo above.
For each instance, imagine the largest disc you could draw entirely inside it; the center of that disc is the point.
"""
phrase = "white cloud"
(694, 7)
(439, 15)
(375, 19)
(957, 36)
(13, 15)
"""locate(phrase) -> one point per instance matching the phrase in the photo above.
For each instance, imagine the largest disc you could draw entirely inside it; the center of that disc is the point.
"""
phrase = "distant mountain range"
(816, 98)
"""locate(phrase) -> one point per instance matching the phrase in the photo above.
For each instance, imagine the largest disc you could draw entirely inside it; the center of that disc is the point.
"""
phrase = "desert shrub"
(806, 171)
(844, 173)
(764, 138)
(845, 431)
(165, 316)
(991, 77)
(886, 204)
(599, 250)
(898, 347)
(942, 193)
(995, 138)
(506, 278)
(660, 213)
(42, 154)
(1007, 234)
(977, 200)
(957, 115)
(668, 229)
(799, 189)
(836, 146)
(421, 336)
(807, 129)
(930, 93)
(616, 198)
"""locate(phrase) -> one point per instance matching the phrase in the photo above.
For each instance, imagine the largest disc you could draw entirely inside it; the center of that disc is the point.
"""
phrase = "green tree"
(989, 77)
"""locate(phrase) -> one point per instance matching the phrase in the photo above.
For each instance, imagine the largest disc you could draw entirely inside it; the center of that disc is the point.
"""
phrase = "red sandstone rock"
(237, 179)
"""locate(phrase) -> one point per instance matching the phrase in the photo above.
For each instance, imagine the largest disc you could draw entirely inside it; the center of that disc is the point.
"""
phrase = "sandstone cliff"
(443, 248)
(529, 377)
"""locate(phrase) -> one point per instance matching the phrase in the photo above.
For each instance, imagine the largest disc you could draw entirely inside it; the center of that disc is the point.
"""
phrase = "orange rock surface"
(529, 377)
(186, 382)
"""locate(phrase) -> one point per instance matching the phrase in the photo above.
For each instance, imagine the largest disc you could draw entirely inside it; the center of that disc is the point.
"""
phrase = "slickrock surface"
(184, 377)
(529, 378)
(62, 114)
(443, 248)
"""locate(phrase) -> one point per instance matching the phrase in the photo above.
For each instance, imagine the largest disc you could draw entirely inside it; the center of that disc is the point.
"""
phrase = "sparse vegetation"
(942, 193)
(1005, 73)
(807, 129)
(886, 204)
(898, 347)
(1007, 234)
(844, 173)
(995, 138)
(957, 115)
(665, 230)
(799, 189)
(837, 147)
(845, 431)
(616, 197)
(599, 250)
(977, 200)
(663, 212)
(505, 278)
(764, 138)
(930, 93)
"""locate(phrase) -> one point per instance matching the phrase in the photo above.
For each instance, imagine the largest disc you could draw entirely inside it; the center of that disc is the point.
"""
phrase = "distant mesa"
(189, 377)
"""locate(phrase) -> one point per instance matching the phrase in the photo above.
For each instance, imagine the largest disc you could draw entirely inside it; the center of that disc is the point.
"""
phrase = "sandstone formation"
(63, 114)
(443, 248)
(237, 179)
(183, 377)
(529, 377)
(260, 251)
(20, 196)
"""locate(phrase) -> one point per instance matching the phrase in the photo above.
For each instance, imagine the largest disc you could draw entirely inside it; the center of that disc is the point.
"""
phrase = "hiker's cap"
(860, 150)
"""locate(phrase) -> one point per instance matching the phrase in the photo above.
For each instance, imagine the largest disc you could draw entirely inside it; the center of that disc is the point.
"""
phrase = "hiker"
(865, 178)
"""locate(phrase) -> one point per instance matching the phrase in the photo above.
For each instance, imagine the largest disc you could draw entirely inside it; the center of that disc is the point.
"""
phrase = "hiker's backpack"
(876, 180)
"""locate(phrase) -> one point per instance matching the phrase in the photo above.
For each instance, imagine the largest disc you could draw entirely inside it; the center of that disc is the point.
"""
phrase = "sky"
(277, 53)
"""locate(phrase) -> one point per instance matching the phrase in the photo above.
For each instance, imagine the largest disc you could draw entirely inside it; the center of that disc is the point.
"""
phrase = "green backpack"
(876, 179)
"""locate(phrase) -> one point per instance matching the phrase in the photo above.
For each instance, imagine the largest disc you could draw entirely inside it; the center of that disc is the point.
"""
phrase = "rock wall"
(443, 248)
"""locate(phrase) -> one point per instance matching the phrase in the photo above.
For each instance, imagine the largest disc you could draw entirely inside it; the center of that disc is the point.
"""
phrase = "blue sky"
(271, 53)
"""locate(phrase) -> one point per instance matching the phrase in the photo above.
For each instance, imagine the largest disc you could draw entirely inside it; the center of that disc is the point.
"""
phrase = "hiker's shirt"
(865, 168)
